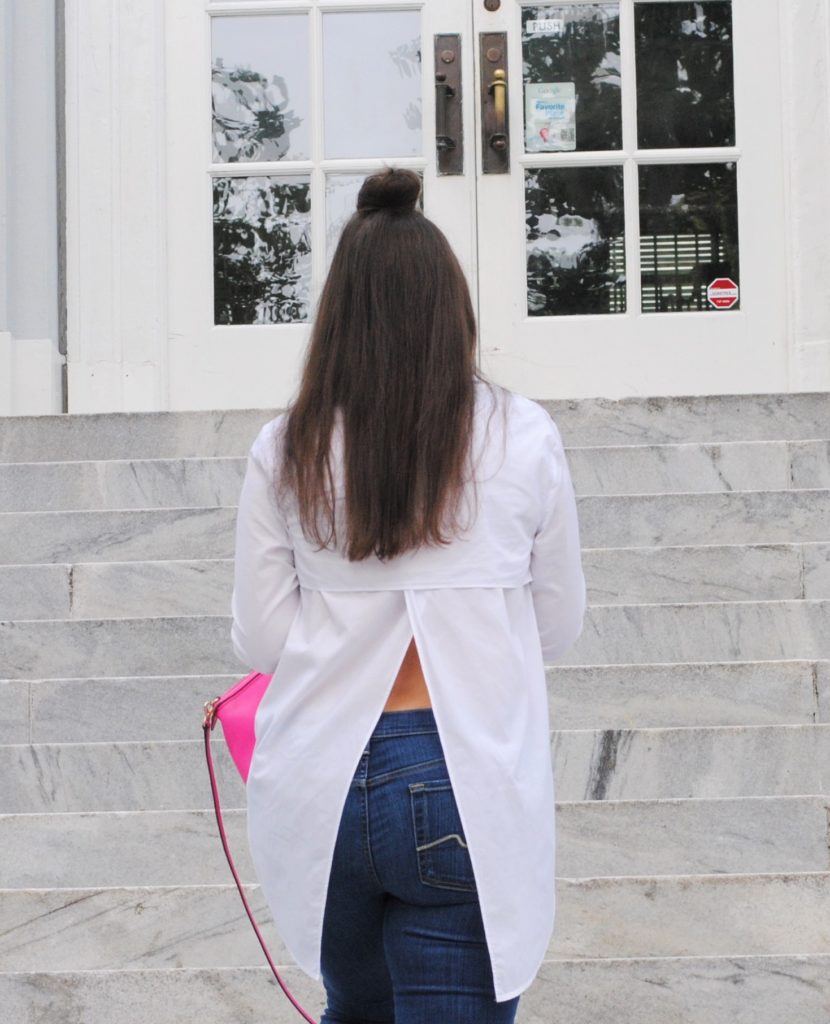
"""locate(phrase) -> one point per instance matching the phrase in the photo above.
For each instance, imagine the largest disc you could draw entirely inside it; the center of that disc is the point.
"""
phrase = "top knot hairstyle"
(392, 349)
(394, 189)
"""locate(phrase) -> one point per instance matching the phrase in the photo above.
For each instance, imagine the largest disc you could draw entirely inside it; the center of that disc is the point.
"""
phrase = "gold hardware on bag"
(210, 712)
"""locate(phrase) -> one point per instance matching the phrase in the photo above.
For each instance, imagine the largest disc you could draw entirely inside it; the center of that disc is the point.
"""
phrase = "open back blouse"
(487, 612)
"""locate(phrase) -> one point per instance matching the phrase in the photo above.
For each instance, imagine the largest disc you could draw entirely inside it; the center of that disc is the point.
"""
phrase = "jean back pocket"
(443, 856)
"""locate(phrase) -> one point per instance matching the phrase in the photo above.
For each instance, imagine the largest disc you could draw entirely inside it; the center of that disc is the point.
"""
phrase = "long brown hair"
(393, 345)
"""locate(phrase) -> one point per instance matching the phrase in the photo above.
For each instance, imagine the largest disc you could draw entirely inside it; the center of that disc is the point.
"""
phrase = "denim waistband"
(411, 720)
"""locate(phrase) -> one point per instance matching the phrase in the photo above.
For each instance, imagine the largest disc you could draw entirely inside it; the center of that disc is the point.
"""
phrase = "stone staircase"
(690, 724)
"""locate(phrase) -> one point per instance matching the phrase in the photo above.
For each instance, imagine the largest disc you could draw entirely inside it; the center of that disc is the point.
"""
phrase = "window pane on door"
(685, 89)
(571, 74)
(372, 83)
(688, 234)
(259, 84)
(261, 249)
(574, 226)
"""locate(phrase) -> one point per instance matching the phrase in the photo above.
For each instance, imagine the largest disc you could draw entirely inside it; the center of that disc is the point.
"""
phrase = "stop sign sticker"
(722, 293)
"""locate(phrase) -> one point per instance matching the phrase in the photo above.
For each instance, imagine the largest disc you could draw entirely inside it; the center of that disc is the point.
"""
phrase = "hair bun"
(394, 188)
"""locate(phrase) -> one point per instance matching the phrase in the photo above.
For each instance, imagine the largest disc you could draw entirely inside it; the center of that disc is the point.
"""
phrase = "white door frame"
(240, 366)
(633, 353)
(119, 81)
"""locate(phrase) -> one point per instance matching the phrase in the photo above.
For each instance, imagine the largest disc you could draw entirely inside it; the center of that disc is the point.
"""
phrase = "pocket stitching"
(418, 796)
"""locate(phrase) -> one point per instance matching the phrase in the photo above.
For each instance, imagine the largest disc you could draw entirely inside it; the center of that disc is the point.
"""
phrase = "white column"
(115, 181)
(805, 55)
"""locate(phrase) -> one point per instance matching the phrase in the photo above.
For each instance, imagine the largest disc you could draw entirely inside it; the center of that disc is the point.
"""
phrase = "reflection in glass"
(688, 233)
(575, 240)
(261, 249)
(341, 203)
(685, 93)
(576, 49)
(260, 87)
(372, 83)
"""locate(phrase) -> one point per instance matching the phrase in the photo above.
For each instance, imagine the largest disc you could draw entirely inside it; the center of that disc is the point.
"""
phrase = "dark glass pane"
(688, 234)
(575, 240)
(259, 87)
(685, 93)
(571, 74)
(261, 249)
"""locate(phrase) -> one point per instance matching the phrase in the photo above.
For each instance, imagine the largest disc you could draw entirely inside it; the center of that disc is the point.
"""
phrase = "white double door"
(626, 239)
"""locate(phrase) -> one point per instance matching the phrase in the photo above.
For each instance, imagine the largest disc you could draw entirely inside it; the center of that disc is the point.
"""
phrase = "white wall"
(115, 199)
(30, 376)
(805, 52)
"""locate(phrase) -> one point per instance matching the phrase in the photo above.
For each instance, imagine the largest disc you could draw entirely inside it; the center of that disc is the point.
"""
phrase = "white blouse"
(487, 612)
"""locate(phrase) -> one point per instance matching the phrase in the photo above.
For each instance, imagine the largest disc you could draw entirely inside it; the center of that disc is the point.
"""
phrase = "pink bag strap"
(207, 727)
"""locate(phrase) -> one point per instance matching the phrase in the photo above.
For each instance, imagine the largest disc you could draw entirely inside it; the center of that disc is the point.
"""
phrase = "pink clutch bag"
(236, 709)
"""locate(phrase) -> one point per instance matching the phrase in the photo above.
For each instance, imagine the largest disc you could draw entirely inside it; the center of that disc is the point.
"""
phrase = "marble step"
(612, 634)
(606, 521)
(712, 631)
(594, 839)
(589, 764)
(624, 916)
(205, 482)
(588, 421)
(732, 989)
(105, 709)
(125, 709)
(89, 590)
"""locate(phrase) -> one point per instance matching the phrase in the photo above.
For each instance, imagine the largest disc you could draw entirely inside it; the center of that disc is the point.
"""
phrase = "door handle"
(495, 131)
(449, 131)
(498, 90)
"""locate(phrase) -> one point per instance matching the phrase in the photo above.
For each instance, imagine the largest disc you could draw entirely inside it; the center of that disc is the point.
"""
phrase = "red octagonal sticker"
(722, 293)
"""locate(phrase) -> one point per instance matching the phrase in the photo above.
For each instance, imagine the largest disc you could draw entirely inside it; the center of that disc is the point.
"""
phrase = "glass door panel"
(644, 143)
(277, 112)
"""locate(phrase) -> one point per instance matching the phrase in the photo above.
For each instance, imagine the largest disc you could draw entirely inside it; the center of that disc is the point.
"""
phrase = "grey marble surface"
(594, 839)
(690, 725)
(612, 634)
(697, 694)
(133, 483)
(726, 631)
(736, 517)
(587, 421)
(681, 990)
(739, 572)
(131, 708)
(129, 536)
(621, 764)
(713, 572)
(207, 482)
(192, 926)
(656, 469)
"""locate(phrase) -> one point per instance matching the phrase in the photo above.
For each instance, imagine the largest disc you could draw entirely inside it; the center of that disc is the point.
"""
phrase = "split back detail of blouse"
(487, 612)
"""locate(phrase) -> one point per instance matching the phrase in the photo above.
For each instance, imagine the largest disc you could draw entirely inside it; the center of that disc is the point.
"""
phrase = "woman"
(406, 562)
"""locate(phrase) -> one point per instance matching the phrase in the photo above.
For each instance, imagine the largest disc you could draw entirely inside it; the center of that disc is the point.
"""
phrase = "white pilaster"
(116, 230)
(805, 55)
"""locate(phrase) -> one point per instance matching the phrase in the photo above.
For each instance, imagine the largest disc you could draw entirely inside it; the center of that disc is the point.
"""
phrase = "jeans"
(403, 939)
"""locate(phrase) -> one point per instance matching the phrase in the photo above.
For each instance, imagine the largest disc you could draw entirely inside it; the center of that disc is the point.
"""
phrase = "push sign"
(722, 293)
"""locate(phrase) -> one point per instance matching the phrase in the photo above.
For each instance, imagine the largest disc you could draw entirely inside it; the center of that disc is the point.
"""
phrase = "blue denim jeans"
(403, 939)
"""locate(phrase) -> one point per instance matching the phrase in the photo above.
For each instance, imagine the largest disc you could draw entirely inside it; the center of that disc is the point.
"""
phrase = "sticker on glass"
(547, 26)
(550, 116)
(722, 293)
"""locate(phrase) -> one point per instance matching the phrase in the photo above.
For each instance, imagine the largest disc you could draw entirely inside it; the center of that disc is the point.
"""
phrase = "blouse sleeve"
(266, 593)
(558, 585)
